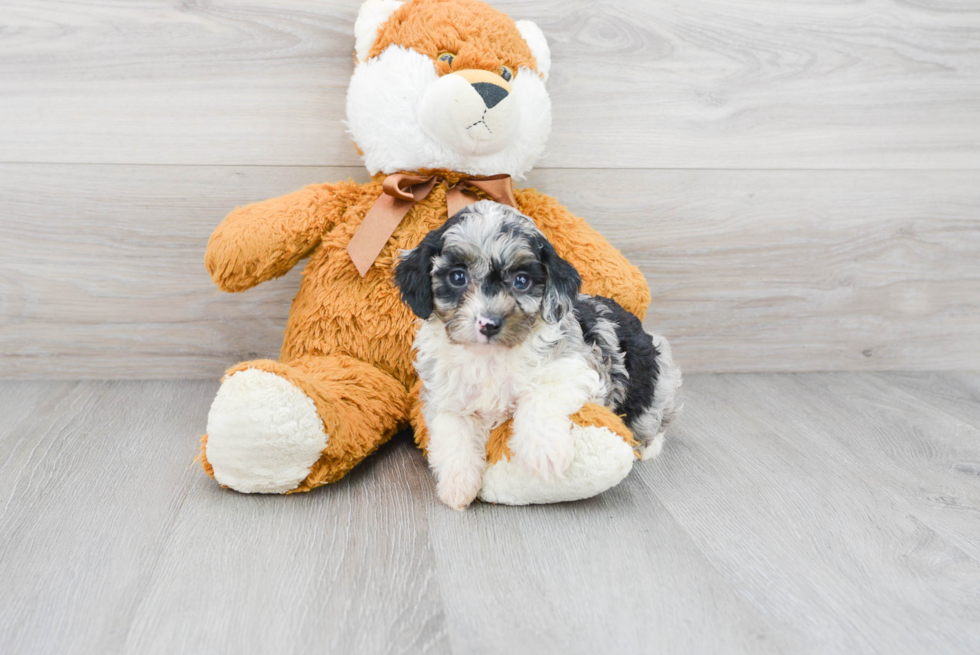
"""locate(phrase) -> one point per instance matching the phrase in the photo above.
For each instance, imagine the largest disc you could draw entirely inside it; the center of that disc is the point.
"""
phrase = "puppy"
(507, 334)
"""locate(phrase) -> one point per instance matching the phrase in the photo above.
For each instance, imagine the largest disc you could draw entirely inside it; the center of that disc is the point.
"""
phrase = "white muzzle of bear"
(472, 112)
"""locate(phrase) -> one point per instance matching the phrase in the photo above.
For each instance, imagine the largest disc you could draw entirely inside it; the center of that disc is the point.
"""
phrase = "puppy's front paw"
(548, 450)
(458, 488)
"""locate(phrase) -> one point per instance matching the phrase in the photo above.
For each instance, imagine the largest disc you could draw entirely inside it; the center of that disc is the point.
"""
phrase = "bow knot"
(401, 192)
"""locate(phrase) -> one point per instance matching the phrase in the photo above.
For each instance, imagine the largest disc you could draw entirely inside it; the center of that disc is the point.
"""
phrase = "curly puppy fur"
(506, 333)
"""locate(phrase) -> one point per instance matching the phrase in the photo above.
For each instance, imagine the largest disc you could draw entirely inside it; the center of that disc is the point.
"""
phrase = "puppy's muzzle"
(489, 326)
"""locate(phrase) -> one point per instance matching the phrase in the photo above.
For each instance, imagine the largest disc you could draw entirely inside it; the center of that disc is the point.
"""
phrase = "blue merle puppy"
(506, 334)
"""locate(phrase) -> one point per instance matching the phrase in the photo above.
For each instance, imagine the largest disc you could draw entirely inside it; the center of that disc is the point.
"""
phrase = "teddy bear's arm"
(604, 269)
(264, 240)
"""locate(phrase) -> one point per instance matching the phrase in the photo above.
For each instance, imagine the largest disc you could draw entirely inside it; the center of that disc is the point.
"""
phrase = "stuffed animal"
(447, 104)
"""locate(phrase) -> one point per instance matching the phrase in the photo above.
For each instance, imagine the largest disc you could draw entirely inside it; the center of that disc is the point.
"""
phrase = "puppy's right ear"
(563, 283)
(413, 275)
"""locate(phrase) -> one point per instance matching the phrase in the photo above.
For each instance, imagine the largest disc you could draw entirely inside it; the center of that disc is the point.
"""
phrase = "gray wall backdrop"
(800, 182)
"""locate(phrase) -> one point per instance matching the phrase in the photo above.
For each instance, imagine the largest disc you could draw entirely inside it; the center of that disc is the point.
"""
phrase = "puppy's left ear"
(413, 275)
(562, 286)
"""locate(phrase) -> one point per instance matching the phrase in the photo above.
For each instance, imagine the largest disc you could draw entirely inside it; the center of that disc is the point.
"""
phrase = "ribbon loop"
(498, 187)
(401, 192)
(405, 187)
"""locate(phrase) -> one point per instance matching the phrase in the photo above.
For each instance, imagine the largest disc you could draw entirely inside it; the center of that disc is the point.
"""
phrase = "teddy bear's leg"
(604, 455)
(284, 428)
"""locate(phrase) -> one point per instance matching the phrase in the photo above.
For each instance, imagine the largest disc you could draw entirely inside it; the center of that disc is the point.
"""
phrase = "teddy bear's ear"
(539, 45)
(373, 14)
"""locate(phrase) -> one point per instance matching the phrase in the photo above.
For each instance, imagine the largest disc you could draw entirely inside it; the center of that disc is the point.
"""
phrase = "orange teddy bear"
(447, 103)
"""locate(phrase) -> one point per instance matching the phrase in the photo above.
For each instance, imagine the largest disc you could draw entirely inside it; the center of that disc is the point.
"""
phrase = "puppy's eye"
(447, 57)
(506, 73)
(521, 282)
(458, 277)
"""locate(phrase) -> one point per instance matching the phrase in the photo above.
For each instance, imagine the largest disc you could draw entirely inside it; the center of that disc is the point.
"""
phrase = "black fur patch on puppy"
(563, 281)
(413, 275)
(636, 346)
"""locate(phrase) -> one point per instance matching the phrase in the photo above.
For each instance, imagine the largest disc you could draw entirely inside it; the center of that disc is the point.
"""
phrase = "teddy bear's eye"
(507, 74)
(447, 57)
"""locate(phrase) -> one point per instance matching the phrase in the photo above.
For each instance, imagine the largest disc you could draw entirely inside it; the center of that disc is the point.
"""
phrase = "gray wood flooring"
(789, 513)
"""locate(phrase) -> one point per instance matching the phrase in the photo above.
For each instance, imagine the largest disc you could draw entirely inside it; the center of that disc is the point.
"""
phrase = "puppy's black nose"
(491, 93)
(489, 326)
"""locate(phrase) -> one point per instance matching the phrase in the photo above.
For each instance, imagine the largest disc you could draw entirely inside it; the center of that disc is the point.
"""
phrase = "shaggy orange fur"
(479, 37)
(349, 339)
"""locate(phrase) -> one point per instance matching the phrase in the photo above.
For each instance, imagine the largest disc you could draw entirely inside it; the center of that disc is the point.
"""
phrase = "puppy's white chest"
(487, 381)
(474, 379)
(490, 381)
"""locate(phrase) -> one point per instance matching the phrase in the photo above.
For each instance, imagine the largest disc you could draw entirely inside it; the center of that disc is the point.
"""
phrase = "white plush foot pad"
(602, 460)
(263, 433)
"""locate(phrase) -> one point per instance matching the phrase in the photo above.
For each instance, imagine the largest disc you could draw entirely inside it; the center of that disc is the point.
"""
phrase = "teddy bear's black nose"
(491, 93)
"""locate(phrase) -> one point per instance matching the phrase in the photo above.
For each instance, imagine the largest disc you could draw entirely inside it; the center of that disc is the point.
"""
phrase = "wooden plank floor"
(803, 513)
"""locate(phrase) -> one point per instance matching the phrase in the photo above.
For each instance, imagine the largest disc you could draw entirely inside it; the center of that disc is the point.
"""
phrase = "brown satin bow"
(401, 192)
